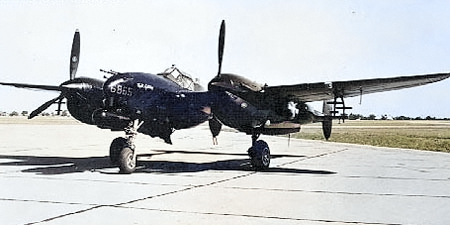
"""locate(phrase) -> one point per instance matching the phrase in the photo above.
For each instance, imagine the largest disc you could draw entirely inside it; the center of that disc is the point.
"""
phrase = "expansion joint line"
(186, 189)
(121, 205)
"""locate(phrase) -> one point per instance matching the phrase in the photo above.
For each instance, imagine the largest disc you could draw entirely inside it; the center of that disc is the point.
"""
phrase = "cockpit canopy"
(181, 78)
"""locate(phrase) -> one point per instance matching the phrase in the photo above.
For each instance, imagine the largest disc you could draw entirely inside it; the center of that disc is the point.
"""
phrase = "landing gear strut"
(122, 150)
(259, 153)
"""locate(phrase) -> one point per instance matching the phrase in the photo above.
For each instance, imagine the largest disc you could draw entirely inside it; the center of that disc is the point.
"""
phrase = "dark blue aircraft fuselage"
(160, 102)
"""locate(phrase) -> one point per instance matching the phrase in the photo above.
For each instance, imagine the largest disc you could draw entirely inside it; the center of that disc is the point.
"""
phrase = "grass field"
(422, 135)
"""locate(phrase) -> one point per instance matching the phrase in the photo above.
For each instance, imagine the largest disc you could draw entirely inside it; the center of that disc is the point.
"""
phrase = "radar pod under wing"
(309, 92)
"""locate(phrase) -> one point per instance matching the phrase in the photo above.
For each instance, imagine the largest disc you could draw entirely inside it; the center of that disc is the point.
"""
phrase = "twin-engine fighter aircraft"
(157, 105)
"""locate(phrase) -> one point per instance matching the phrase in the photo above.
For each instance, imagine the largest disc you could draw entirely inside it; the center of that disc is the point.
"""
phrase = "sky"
(269, 41)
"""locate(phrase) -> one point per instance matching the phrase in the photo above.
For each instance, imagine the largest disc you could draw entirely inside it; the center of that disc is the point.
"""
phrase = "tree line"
(387, 117)
(350, 116)
(25, 113)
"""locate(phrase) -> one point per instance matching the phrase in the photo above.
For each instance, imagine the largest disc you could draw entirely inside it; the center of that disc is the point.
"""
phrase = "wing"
(33, 86)
(310, 92)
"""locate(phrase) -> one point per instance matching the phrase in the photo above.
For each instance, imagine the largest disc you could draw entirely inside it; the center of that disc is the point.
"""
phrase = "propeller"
(327, 123)
(75, 54)
(45, 106)
(221, 45)
(74, 59)
(214, 124)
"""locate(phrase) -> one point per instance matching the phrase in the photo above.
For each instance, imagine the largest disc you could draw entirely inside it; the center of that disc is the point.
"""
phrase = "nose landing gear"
(122, 150)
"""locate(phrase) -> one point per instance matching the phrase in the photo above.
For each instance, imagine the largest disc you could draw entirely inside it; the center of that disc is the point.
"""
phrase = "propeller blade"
(214, 126)
(327, 124)
(221, 45)
(326, 128)
(75, 54)
(44, 106)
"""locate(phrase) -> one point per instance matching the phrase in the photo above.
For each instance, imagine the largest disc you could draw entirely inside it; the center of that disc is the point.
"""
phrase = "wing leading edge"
(309, 92)
(33, 86)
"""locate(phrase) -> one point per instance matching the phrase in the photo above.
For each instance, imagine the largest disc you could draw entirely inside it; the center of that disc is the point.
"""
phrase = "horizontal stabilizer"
(343, 107)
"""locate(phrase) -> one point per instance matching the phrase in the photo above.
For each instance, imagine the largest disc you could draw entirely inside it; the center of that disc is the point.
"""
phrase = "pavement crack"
(259, 216)
(397, 178)
(46, 201)
(312, 157)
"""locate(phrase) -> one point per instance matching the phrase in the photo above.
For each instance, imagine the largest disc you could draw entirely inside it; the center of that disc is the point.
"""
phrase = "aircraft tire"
(116, 147)
(127, 161)
(260, 155)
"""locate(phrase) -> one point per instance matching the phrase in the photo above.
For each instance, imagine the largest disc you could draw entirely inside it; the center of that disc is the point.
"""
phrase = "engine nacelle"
(236, 112)
(233, 83)
(84, 96)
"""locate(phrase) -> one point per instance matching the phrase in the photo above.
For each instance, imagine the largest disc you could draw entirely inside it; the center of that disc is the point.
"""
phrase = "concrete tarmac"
(61, 174)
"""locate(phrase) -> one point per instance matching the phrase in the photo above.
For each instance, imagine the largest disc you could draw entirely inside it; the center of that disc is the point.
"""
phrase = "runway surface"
(61, 174)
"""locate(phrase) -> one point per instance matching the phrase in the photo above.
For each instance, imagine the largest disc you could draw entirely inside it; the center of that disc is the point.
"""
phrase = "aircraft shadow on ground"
(64, 165)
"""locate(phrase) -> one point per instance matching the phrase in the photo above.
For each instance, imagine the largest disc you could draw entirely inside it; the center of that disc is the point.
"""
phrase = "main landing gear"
(122, 150)
(259, 153)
